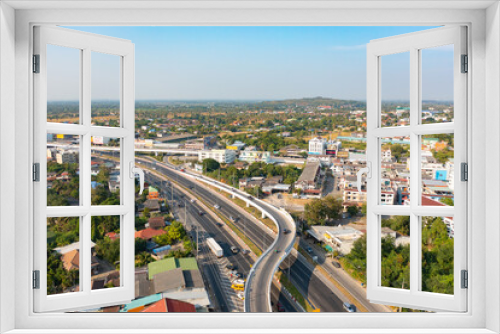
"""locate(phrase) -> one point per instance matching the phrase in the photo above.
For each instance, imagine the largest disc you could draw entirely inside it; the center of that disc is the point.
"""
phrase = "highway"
(302, 273)
(208, 227)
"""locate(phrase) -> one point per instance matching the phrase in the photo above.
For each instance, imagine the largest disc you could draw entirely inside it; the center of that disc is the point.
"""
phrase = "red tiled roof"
(112, 235)
(426, 201)
(169, 305)
(148, 233)
(158, 307)
(179, 306)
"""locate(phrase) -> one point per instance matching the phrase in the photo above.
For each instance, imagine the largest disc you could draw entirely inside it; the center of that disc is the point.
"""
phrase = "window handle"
(367, 170)
(135, 170)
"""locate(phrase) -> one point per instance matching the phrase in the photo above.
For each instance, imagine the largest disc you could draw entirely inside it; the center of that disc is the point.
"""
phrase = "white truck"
(214, 247)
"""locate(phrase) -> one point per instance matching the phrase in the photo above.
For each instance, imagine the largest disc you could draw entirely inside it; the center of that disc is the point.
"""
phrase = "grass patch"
(174, 161)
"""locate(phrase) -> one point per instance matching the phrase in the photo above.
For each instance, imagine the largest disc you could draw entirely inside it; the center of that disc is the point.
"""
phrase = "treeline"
(318, 211)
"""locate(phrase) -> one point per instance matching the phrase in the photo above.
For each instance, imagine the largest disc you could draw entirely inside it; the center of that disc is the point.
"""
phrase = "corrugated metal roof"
(158, 267)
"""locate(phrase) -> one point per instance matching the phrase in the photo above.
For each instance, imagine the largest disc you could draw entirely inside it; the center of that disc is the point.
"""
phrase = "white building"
(317, 146)
(221, 156)
(63, 157)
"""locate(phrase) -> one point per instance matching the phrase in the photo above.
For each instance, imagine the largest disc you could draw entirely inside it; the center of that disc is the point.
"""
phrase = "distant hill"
(315, 102)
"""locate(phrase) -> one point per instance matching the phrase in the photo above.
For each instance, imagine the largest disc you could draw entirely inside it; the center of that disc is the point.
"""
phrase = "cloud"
(347, 47)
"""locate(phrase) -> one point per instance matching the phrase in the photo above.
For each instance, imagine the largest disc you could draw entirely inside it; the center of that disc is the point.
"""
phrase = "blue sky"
(185, 63)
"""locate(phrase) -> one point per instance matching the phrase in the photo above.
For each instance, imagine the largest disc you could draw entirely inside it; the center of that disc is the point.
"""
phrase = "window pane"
(437, 254)
(105, 89)
(437, 84)
(395, 170)
(63, 84)
(395, 89)
(105, 252)
(105, 171)
(63, 254)
(437, 169)
(63, 170)
(395, 251)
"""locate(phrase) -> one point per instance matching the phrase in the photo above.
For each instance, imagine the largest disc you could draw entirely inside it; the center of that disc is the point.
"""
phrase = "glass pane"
(437, 84)
(395, 251)
(63, 84)
(395, 170)
(105, 252)
(437, 254)
(105, 171)
(395, 89)
(63, 170)
(105, 102)
(63, 255)
(437, 169)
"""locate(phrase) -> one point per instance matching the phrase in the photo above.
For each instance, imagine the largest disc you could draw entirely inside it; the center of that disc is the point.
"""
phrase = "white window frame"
(86, 44)
(482, 316)
(412, 44)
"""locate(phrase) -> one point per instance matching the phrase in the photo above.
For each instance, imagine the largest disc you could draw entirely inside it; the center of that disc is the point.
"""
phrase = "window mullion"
(414, 168)
(85, 181)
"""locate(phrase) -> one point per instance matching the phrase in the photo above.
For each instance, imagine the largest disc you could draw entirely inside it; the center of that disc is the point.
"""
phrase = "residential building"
(317, 146)
(221, 156)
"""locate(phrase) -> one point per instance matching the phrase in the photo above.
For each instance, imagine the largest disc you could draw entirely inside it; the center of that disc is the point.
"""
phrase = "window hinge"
(36, 172)
(464, 171)
(465, 64)
(36, 279)
(465, 279)
(36, 63)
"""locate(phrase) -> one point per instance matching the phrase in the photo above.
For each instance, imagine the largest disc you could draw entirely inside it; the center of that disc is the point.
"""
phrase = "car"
(309, 250)
(234, 249)
(180, 205)
(201, 213)
(336, 264)
(241, 295)
(230, 266)
(280, 306)
(235, 274)
(245, 251)
(219, 224)
(349, 307)
(183, 170)
(217, 206)
(193, 200)
(276, 250)
(285, 231)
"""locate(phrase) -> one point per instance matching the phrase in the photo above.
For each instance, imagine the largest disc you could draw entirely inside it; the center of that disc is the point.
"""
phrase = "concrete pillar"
(248, 204)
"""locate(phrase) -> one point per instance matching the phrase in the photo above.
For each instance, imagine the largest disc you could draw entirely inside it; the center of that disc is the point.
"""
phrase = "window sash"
(86, 43)
(413, 43)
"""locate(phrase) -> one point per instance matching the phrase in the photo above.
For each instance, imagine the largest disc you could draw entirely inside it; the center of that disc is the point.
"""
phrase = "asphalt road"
(302, 275)
(225, 240)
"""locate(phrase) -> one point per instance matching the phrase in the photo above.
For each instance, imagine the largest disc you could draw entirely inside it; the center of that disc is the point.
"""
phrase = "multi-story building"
(221, 156)
(317, 146)
(67, 157)
(352, 196)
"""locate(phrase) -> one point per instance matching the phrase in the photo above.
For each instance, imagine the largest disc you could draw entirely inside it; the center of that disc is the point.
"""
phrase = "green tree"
(210, 165)
(352, 210)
